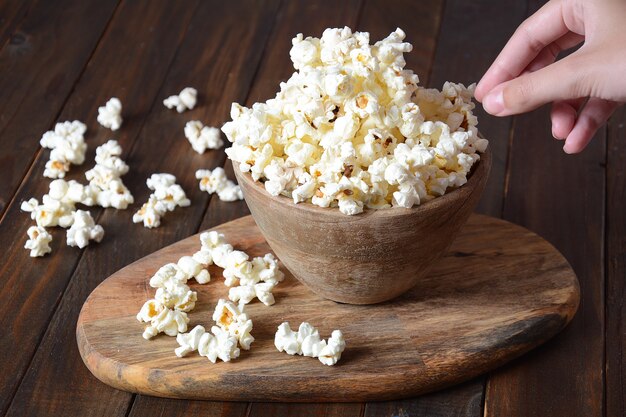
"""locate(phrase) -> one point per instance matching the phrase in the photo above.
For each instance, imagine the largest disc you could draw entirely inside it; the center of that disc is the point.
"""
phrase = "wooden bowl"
(368, 258)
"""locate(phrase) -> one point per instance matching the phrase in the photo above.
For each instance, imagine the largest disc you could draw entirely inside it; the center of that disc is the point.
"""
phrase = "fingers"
(595, 113)
(533, 35)
(563, 116)
(548, 55)
(562, 80)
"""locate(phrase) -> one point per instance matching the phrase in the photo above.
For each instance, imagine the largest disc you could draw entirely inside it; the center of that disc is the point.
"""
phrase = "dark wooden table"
(61, 60)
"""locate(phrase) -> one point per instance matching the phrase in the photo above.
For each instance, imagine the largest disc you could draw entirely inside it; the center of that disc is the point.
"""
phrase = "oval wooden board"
(500, 291)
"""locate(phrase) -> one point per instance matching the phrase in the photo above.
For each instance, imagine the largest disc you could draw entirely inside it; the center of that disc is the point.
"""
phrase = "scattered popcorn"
(226, 348)
(203, 137)
(233, 320)
(219, 344)
(331, 353)
(105, 177)
(185, 100)
(189, 342)
(162, 320)
(306, 341)
(352, 129)
(50, 213)
(110, 115)
(246, 293)
(83, 230)
(68, 146)
(215, 181)
(166, 197)
(38, 241)
(177, 297)
(194, 269)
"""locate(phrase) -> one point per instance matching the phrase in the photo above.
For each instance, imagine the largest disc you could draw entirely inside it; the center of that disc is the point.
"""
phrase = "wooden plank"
(39, 67)
(11, 14)
(420, 21)
(561, 198)
(615, 367)
(464, 400)
(163, 407)
(223, 43)
(33, 287)
(472, 34)
(429, 338)
(306, 410)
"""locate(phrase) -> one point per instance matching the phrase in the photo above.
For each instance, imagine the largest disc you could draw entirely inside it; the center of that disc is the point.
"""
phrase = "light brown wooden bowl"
(368, 258)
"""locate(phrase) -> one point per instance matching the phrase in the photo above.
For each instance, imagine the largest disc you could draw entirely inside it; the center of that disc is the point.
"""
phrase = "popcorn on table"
(83, 229)
(185, 100)
(203, 137)
(110, 115)
(105, 177)
(67, 142)
(38, 241)
(234, 321)
(162, 320)
(306, 341)
(166, 196)
(214, 345)
(215, 181)
(352, 129)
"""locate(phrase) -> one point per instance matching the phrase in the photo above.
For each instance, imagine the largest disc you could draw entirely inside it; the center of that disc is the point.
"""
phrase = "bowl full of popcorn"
(358, 178)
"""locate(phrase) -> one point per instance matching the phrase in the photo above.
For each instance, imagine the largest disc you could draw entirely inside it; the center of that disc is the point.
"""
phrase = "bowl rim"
(478, 173)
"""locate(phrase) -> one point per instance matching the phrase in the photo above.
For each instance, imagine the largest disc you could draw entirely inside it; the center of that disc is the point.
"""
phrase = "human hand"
(525, 75)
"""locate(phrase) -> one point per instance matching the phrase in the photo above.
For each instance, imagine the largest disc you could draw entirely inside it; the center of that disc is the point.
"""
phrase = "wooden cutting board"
(500, 291)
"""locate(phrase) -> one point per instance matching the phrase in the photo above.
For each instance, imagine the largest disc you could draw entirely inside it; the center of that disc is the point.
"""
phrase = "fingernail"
(494, 102)
(567, 149)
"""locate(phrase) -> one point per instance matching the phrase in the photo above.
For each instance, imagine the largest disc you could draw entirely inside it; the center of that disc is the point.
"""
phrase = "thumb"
(561, 80)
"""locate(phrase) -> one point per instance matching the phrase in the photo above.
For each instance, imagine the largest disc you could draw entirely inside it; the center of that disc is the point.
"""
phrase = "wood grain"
(431, 337)
(472, 35)
(41, 65)
(150, 151)
(364, 259)
(560, 197)
(615, 367)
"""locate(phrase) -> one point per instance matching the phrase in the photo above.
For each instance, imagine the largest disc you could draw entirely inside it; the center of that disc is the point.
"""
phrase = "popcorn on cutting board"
(203, 137)
(110, 115)
(185, 100)
(306, 341)
(166, 196)
(352, 129)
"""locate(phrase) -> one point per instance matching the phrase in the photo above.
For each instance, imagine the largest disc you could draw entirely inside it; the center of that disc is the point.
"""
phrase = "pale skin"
(584, 88)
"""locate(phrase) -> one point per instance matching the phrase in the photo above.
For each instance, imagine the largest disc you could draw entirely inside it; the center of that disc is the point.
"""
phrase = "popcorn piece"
(38, 241)
(166, 197)
(185, 100)
(168, 275)
(266, 269)
(202, 137)
(162, 320)
(331, 353)
(306, 341)
(216, 182)
(177, 297)
(83, 230)
(194, 269)
(50, 213)
(349, 111)
(189, 342)
(226, 345)
(236, 267)
(105, 184)
(232, 319)
(286, 340)
(246, 293)
(68, 147)
(110, 115)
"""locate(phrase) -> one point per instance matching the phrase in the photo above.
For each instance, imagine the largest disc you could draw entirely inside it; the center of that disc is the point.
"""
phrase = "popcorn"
(162, 320)
(236, 267)
(331, 353)
(168, 275)
(50, 213)
(202, 137)
(246, 293)
(306, 341)
(352, 129)
(232, 320)
(217, 345)
(83, 230)
(106, 187)
(68, 147)
(189, 342)
(166, 197)
(215, 181)
(177, 297)
(194, 269)
(38, 241)
(185, 100)
(110, 115)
